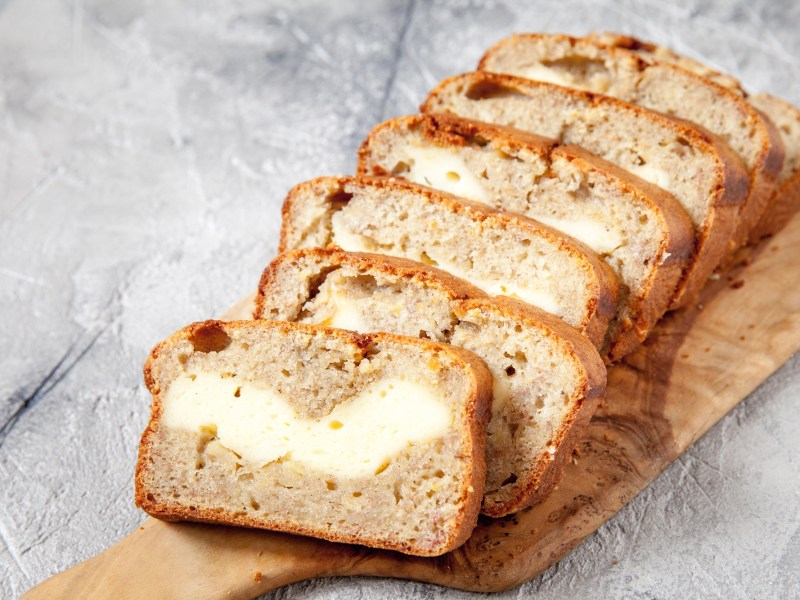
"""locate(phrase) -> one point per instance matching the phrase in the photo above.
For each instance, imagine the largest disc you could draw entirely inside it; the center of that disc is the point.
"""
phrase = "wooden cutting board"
(696, 366)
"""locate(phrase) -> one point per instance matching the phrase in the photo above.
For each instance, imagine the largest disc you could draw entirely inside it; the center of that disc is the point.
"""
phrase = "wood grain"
(697, 365)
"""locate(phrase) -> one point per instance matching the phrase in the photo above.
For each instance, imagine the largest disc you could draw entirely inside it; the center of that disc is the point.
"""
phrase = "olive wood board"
(696, 366)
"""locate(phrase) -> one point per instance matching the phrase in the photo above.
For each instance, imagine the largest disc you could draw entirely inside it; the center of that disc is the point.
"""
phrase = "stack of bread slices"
(435, 332)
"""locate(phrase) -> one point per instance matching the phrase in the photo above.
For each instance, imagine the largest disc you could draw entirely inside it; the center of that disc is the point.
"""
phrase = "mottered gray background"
(145, 149)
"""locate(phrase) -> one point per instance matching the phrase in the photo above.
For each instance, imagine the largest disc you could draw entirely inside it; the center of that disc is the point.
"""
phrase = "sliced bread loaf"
(702, 172)
(547, 377)
(588, 64)
(785, 116)
(500, 253)
(367, 439)
(637, 228)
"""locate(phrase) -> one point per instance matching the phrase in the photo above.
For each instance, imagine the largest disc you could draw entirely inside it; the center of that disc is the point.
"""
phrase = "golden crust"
(606, 287)
(726, 198)
(475, 418)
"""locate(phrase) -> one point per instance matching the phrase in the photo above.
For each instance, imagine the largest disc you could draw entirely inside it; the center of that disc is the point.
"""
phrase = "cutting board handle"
(192, 560)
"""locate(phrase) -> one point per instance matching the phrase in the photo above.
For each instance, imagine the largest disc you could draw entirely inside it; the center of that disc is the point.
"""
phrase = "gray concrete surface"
(145, 148)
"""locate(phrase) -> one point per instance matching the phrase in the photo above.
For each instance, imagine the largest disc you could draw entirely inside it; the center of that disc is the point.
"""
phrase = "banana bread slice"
(637, 228)
(547, 376)
(785, 116)
(368, 439)
(500, 253)
(699, 170)
(588, 64)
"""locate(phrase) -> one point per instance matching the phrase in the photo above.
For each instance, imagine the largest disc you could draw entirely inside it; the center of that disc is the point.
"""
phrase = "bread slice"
(497, 252)
(702, 172)
(785, 116)
(637, 228)
(588, 64)
(786, 200)
(547, 377)
(367, 439)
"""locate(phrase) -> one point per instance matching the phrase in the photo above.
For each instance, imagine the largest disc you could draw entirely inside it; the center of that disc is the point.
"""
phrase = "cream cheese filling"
(536, 296)
(444, 170)
(598, 81)
(539, 72)
(349, 241)
(347, 315)
(592, 233)
(652, 174)
(356, 439)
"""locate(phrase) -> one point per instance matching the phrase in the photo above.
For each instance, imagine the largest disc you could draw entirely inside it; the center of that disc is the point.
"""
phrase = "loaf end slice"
(547, 377)
(369, 439)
